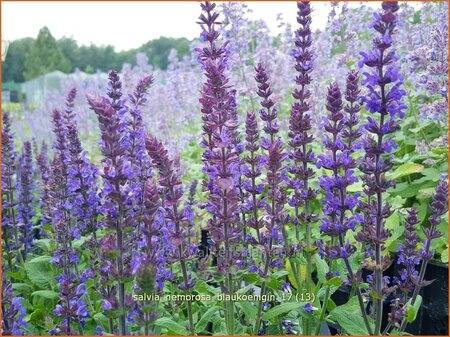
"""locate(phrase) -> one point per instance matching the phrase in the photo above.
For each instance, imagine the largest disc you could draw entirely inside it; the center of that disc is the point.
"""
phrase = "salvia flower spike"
(384, 101)
(116, 172)
(172, 192)
(300, 134)
(10, 226)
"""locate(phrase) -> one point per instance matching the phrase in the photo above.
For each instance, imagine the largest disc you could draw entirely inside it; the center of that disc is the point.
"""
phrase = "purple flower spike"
(338, 203)
(116, 173)
(221, 155)
(177, 247)
(43, 164)
(252, 171)
(70, 103)
(409, 257)
(384, 101)
(13, 311)
(10, 226)
(25, 208)
(300, 154)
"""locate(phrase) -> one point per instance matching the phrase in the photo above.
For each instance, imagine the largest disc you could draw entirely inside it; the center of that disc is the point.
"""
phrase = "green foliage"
(171, 326)
(282, 309)
(45, 56)
(29, 58)
(348, 316)
(158, 50)
(40, 273)
(14, 66)
(413, 309)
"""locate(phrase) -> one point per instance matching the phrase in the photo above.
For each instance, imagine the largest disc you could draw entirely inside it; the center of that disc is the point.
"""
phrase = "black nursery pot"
(433, 316)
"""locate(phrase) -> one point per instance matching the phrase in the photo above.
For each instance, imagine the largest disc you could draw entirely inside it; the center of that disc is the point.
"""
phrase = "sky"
(127, 25)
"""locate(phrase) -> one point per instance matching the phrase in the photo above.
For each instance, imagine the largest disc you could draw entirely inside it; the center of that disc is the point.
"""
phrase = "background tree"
(28, 58)
(45, 56)
(14, 65)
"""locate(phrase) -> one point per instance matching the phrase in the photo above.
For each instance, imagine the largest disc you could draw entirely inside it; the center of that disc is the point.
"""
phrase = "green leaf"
(357, 187)
(171, 325)
(431, 174)
(413, 309)
(322, 291)
(351, 306)
(444, 255)
(335, 281)
(78, 243)
(39, 271)
(22, 287)
(48, 294)
(330, 305)
(393, 223)
(274, 283)
(405, 170)
(206, 318)
(251, 278)
(281, 309)
(37, 317)
(44, 244)
(322, 269)
(203, 288)
(348, 316)
(99, 317)
(426, 193)
(248, 309)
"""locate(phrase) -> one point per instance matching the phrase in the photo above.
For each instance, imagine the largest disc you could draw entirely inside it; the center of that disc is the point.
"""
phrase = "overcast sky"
(129, 24)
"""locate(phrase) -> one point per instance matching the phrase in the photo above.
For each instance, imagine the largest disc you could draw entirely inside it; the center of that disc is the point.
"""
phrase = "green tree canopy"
(45, 56)
(28, 58)
(14, 65)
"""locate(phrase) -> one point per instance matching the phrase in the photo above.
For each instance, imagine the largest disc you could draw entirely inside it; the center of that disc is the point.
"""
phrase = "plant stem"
(263, 290)
(122, 319)
(379, 215)
(308, 243)
(259, 313)
(111, 326)
(324, 309)
(185, 277)
(386, 330)
(358, 290)
(423, 268)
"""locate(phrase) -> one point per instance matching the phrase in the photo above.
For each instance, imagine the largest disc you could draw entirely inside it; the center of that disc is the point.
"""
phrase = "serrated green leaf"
(48, 294)
(322, 269)
(100, 317)
(44, 244)
(22, 287)
(405, 170)
(37, 317)
(393, 224)
(348, 316)
(335, 281)
(248, 308)
(322, 290)
(357, 187)
(39, 271)
(281, 309)
(206, 318)
(171, 326)
(251, 278)
(426, 193)
(351, 323)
